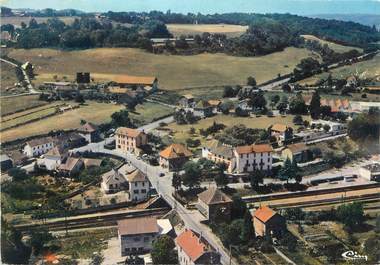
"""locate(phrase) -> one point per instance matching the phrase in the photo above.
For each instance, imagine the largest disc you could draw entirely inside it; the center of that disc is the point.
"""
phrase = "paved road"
(26, 77)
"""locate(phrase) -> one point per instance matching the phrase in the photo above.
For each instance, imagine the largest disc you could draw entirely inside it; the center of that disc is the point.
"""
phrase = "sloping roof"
(88, 127)
(92, 162)
(126, 169)
(296, 148)
(135, 176)
(40, 141)
(192, 244)
(264, 213)
(69, 164)
(175, 151)
(255, 148)
(214, 196)
(112, 175)
(279, 127)
(56, 151)
(134, 80)
(214, 102)
(128, 132)
(202, 104)
(136, 226)
(217, 148)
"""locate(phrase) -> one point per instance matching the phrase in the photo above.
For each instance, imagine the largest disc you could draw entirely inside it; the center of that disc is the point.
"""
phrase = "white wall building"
(335, 127)
(53, 158)
(370, 172)
(138, 186)
(251, 157)
(37, 147)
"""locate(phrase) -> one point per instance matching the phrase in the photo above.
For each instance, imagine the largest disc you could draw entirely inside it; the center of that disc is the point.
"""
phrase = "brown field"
(191, 29)
(92, 112)
(173, 72)
(12, 104)
(182, 132)
(17, 20)
(332, 45)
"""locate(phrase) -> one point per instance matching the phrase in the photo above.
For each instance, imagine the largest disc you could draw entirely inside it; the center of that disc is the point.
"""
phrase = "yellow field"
(173, 72)
(12, 104)
(192, 29)
(182, 132)
(93, 112)
(332, 45)
(17, 20)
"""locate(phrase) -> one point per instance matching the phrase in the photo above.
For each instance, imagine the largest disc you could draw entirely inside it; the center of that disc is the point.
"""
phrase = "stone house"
(214, 204)
(267, 222)
(37, 147)
(281, 132)
(174, 156)
(187, 101)
(253, 157)
(130, 140)
(299, 152)
(89, 131)
(138, 186)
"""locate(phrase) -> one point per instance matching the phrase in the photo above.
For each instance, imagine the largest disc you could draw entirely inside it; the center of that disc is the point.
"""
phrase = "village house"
(244, 105)
(299, 152)
(253, 157)
(53, 158)
(308, 136)
(5, 162)
(187, 101)
(113, 181)
(203, 109)
(281, 132)
(194, 249)
(62, 89)
(215, 104)
(71, 167)
(136, 235)
(174, 156)
(148, 83)
(214, 204)
(130, 140)
(37, 147)
(219, 153)
(267, 222)
(70, 140)
(138, 186)
(89, 131)
(370, 172)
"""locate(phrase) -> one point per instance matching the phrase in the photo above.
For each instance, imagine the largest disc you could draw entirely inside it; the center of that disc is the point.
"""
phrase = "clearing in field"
(182, 132)
(173, 72)
(334, 46)
(367, 69)
(92, 112)
(192, 29)
(17, 103)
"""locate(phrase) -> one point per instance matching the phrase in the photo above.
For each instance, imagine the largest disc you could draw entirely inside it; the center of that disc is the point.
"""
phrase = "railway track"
(93, 221)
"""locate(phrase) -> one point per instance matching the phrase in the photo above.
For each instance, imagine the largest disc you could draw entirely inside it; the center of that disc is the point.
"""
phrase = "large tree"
(351, 215)
(192, 174)
(315, 105)
(163, 250)
(255, 178)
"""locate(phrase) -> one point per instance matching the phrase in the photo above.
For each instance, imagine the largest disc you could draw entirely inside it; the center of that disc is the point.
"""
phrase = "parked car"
(161, 174)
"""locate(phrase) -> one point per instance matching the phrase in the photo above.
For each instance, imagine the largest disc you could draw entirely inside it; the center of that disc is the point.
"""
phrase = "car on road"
(161, 174)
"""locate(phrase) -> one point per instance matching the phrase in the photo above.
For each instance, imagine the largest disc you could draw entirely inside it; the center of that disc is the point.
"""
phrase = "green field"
(192, 29)
(12, 104)
(8, 77)
(173, 72)
(336, 47)
(92, 112)
(148, 112)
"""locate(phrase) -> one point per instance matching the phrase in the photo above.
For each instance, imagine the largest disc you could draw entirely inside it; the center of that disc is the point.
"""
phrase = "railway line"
(105, 219)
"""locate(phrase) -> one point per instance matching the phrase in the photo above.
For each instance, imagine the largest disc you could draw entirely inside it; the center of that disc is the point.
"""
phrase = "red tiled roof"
(192, 245)
(279, 127)
(128, 132)
(213, 196)
(255, 148)
(134, 80)
(264, 213)
(175, 151)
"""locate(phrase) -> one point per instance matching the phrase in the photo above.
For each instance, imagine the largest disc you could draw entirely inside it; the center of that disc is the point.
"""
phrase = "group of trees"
(184, 117)
(289, 171)
(365, 127)
(241, 135)
(88, 32)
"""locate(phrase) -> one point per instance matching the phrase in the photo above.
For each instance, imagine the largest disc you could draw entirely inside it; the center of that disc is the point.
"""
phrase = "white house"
(53, 158)
(113, 181)
(37, 147)
(138, 186)
(251, 157)
(370, 172)
(137, 234)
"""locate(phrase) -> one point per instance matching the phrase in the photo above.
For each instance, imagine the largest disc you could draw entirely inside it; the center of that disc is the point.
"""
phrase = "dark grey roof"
(220, 149)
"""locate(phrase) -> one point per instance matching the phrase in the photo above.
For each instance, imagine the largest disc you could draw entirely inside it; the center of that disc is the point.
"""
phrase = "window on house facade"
(136, 191)
(135, 184)
(143, 191)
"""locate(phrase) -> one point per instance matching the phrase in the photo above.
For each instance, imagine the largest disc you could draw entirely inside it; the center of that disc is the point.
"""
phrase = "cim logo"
(353, 255)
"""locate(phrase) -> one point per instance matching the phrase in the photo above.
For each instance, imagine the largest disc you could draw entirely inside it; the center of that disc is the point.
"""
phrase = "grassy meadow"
(173, 72)
(336, 47)
(17, 103)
